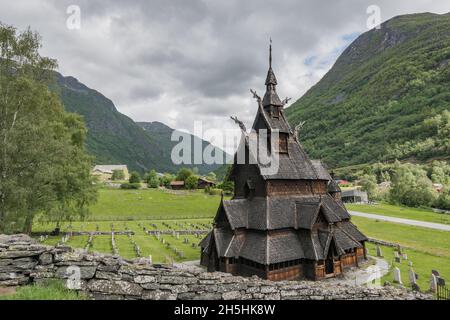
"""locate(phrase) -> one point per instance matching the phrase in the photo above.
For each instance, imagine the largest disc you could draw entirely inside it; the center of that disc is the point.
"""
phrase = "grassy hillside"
(386, 97)
(114, 138)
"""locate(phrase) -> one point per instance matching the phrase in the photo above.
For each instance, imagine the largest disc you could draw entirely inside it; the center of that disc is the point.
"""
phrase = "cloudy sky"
(177, 61)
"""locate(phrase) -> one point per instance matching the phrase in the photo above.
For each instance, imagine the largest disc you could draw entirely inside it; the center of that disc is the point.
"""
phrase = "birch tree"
(44, 169)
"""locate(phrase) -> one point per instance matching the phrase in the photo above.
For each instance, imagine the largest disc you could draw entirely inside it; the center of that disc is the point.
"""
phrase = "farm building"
(282, 225)
(105, 172)
(203, 183)
(177, 185)
(354, 196)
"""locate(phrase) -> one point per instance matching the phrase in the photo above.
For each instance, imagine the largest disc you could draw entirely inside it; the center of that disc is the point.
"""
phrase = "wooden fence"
(443, 292)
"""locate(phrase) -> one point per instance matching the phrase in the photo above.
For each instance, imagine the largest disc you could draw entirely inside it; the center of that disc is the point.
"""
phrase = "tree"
(118, 175)
(443, 201)
(152, 179)
(166, 179)
(411, 186)
(191, 182)
(183, 174)
(135, 177)
(44, 168)
(368, 183)
(211, 176)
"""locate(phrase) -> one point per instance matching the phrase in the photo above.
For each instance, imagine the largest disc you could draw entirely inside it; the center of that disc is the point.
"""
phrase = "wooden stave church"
(284, 226)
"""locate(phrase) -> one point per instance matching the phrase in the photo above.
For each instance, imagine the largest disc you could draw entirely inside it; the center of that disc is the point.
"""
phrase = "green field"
(401, 212)
(423, 239)
(117, 204)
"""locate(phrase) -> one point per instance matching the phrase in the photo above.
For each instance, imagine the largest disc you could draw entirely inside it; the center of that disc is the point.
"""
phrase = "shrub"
(135, 177)
(191, 182)
(166, 179)
(130, 185)
(443, 201)
(215, 191)
(152, 179)
(183, 174)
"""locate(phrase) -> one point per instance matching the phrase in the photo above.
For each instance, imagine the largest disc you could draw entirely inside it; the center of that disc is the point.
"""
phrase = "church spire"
(270, 54)
(271, 79)
(271, 97)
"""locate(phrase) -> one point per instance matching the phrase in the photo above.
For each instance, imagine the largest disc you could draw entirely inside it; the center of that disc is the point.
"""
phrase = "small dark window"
(283, 145)
(276, 112)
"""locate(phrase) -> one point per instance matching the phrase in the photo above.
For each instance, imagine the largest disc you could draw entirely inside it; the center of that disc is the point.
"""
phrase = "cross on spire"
(270, 53)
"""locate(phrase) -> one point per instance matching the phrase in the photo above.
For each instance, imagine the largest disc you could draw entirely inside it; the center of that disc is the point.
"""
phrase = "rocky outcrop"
(23, 261)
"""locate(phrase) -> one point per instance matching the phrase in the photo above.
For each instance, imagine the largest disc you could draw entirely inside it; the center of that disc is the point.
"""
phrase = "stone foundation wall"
(24, 261)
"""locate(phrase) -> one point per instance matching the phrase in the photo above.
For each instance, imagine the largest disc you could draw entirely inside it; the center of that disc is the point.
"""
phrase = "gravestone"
(435, 272)
(405, 256)
(379, 252)
(433, 283)
(150, 259)
(412, 276)
(397, 276)
(440, 281)
(410, 263)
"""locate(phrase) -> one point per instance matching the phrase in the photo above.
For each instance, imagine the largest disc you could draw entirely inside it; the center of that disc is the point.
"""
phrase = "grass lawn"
(423, 263)
(52, 290)
(117, 204)
(401, 212)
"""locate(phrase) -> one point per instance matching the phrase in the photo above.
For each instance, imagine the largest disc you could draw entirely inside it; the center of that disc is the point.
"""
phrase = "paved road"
(424, 224)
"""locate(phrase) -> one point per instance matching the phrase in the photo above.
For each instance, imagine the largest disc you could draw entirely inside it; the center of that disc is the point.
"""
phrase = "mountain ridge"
(114, 138)
(384, 96)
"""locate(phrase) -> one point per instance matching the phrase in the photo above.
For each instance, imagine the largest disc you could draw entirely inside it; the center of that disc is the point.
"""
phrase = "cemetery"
(165, 241)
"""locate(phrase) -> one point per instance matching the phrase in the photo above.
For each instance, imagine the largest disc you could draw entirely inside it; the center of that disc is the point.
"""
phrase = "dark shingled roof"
(271, 213)
(271, 79)
(222, 239)
(307, 213)
(352, 230)
(205, 241)
(343, 241)
(294, 165)
(321, 171)
(267, 249)
(290, 244)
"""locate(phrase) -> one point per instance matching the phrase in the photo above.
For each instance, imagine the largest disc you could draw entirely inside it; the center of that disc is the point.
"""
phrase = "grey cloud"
(178, 61)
